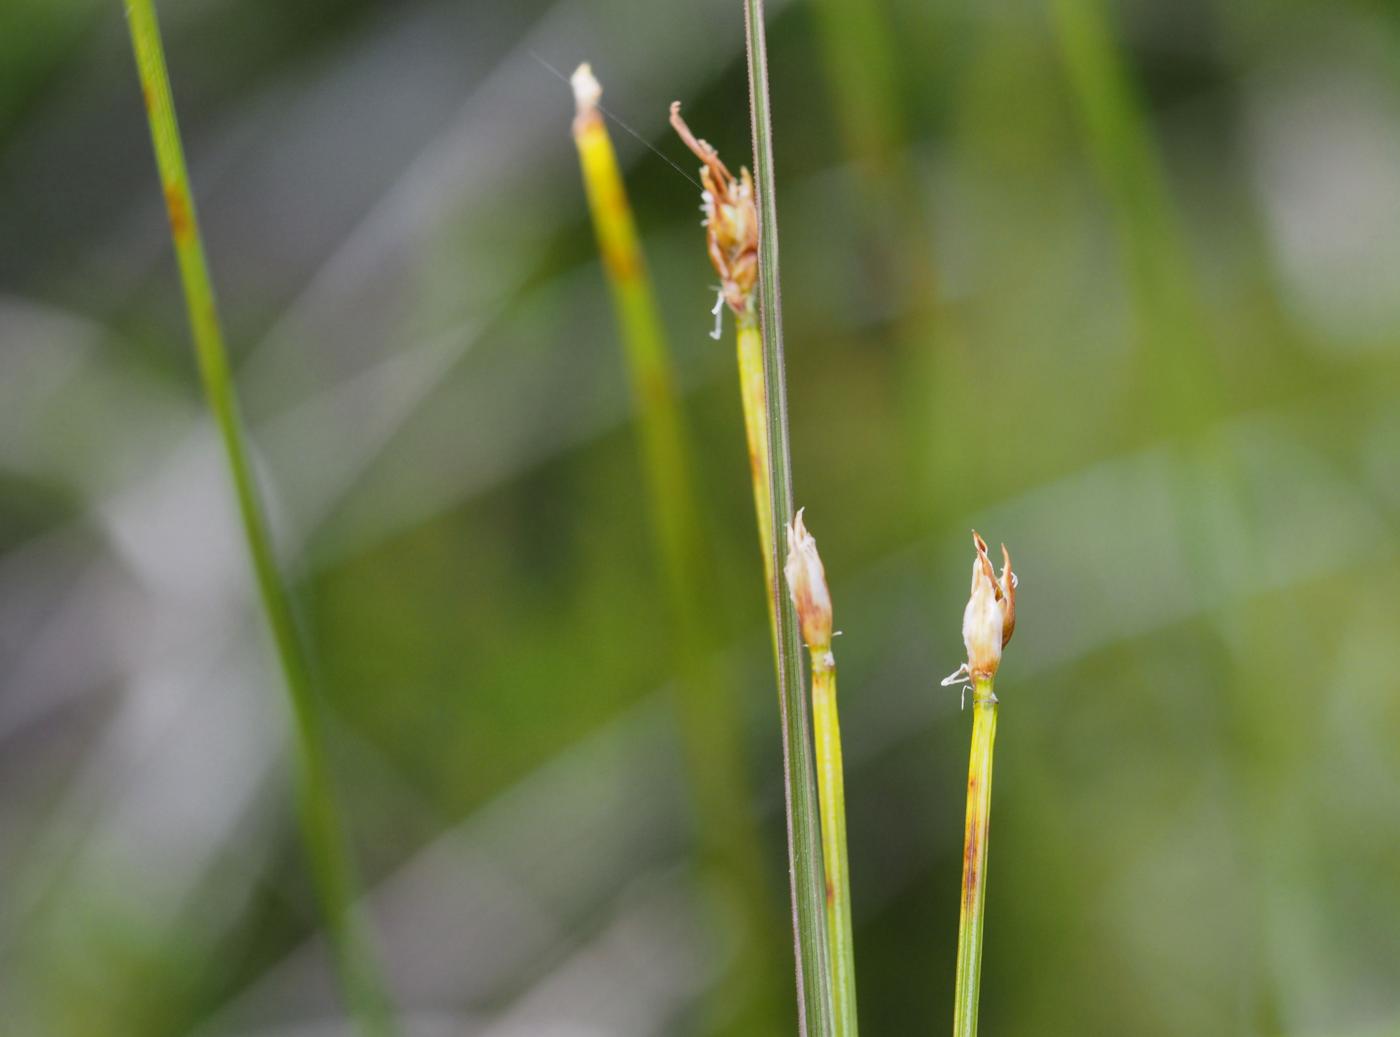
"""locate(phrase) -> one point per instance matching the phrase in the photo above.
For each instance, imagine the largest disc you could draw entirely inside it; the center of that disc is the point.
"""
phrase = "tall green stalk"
(806, 579)
(831, 791)
(710, 726)
(804, 833)
(323, 830)
(974, 876)
(753, 392)
(989, 620)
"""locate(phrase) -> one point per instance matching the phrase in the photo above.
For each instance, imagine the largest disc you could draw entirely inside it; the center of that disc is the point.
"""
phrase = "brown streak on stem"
(176, 204)
(656, 388)
(622, 263)
(970, 850)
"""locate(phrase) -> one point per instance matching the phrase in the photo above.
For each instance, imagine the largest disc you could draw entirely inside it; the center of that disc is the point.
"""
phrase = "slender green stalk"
(812, 599)
(666, 458)
(831, 790)
(974, 876)
(710, 726)
(804, 844)
(989, 620)
(322, 828)
(806, 579)
(743, 246)
(753, 390)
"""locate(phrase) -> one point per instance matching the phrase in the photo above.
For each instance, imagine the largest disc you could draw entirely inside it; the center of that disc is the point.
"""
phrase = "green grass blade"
(799, 776)
(319, 815)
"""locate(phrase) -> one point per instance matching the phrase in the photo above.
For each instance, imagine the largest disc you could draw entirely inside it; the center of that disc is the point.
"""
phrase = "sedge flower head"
(989, 618)
(731, 221)
(806, 579)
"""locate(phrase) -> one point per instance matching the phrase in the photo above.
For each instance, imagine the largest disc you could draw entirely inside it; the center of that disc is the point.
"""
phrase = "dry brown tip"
(1008, 589)
(982, 559)
(701, 149)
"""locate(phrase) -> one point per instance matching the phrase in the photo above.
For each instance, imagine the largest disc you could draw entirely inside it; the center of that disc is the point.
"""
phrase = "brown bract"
(806, 578)
(1004, 588)
(731, 220)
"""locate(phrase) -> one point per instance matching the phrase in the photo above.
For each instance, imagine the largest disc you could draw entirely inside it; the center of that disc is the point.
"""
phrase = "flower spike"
(990, 617)
(731, 221)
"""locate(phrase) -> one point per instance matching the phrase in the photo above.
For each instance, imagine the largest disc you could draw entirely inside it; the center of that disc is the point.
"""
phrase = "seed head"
(990, 617)
(731, 220)
(806, 579)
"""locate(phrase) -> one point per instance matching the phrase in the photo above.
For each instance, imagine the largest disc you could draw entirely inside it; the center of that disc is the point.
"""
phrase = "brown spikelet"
(731, 220)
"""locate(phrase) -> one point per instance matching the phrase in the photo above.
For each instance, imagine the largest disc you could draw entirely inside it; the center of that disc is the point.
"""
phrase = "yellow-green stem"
(831, 793)
(648, 362)
(323, 830)
(754, 392)
(974, 879)
(709, 721)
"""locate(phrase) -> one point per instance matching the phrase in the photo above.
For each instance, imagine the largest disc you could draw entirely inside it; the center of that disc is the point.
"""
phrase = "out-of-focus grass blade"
(323, 829)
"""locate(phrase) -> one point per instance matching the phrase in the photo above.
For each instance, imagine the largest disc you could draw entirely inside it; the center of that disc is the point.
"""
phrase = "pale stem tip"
(587, 91)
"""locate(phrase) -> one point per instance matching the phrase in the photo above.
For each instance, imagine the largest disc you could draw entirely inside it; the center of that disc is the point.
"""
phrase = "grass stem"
(806, 579)
(804, 840)
(753, 390)
(831, 792)
(710, 724)
(742, 240)
(974, 876)
(322, 827)
(989, 620)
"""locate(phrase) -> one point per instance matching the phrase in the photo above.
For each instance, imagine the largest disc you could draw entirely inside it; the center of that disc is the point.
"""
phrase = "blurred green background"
(1115, 283)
